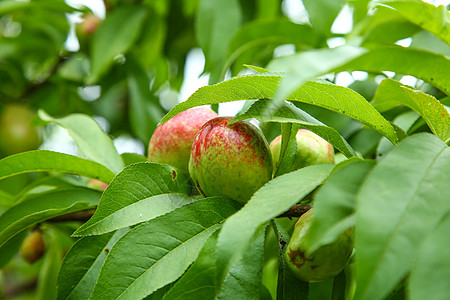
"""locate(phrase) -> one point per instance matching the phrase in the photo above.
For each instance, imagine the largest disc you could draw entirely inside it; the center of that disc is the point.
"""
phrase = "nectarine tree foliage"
(101, 224)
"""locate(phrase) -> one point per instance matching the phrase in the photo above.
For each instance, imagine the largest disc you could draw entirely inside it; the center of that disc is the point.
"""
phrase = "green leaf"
(265, 204)
(114, 37)
(288, 149)
(432, 268)
(48, 161)
(424, 65)
(260, 86)
(139, 193)
(260, 33)
(11, 248)
(145, 111)
(215, 25)
(43, 207)
(92, 142)
(244, 278)
(322, 13)
(334, 203)
(157, 252)
(431, 18)
(200, 280)
(289, 113)
(82, 264)
(409, 184)
(392, 93)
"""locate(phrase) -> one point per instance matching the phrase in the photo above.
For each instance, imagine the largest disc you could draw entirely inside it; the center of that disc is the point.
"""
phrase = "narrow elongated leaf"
(10, 248)
(48, 161)
(335, 202)
(114, 37)
(392, 93)
(82, 264)
(244, 277)
(424, 65)
(322, 13)
(289, 113)
(48, 273)
(409, 184)
(265, 204)
(243, 280)
(145, 111)
(216, 23)
(432, 268)
(431, 18)
(132, 158)
(92, 142)
(329, 96)
(43, 207)
(157, 252)
(130, 198)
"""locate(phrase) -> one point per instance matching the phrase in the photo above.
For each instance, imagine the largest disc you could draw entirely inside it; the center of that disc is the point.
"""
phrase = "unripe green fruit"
(230, 160)
(17, 134)
(311, 150)
(324, 263)
(33, 247)
(172, 141)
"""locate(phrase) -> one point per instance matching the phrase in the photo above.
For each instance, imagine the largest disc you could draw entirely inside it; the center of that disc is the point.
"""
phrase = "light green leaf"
(48, 161)
(264, 86)
(132, 158)
(157, 252)
(215, 25)
(139, 193)
(392, 93)
(334, 203)
(288, 149)
(409, 184)
(431, 18)
(308, 65)
(289, 113)
(432, 268)
(113, 37)
(92, 142)
(424, 65)
(44, 206)
(265, 204)
(322, 13)
(48, 274)
(82, 264)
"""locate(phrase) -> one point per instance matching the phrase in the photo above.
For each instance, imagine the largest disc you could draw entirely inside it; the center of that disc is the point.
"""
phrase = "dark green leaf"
(139, 193)
(44, 206)
(82, 264)
(288, 149)
(409, 184)
(48, 161)
(115, 36)
(157, 252)
(335, 202)
(91, 140)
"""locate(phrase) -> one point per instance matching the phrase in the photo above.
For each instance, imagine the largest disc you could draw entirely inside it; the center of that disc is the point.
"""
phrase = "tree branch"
(295, 211)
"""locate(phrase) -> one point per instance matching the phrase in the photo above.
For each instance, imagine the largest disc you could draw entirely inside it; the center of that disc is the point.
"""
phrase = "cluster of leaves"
(149, 237)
